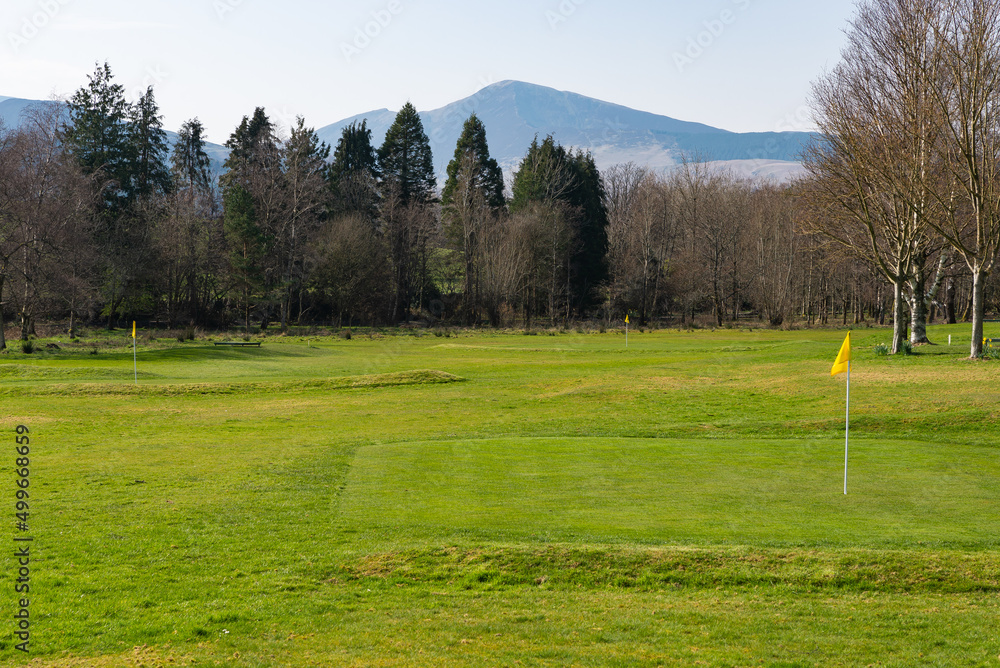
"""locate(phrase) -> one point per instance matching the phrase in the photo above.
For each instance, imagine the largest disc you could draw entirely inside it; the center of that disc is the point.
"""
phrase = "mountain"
(515, 112)
(11, 109)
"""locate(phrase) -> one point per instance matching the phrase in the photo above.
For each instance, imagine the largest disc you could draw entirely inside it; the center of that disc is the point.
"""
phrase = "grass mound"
(656, 569)
(418, 377)
(32, 372)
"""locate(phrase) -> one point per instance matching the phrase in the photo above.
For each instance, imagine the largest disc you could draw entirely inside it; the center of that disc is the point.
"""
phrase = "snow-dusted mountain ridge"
(515, 112)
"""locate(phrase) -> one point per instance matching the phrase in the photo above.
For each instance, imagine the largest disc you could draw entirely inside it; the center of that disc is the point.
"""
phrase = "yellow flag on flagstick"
(626, 318)
(133, 329)
(843, 357)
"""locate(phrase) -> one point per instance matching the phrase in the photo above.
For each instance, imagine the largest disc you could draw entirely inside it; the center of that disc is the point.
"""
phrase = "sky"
(741, 65)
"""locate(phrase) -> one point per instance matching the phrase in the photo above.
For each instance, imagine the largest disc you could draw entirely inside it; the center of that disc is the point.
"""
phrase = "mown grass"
(495, 499)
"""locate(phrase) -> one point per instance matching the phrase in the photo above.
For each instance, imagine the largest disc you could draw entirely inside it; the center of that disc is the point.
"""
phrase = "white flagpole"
(626, 334)
(847, 424)
(135, 363)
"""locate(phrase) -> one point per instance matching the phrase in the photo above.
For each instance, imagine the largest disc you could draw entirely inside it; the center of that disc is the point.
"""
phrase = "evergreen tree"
(405, 158)
(589, 262)
(185, 238)
(253, 149)
(124, 146)
(354, 152)
(354, 172)
(252, 200)
(549, 176)
(486, 175)
(98, 137)
(544, 175)
(472, 195)
(408, 187)
(189, 161)
(149, 148)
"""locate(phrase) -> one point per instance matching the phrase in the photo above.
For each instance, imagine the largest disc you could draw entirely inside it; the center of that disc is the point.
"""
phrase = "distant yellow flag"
(843, 357)
(626, 318)
(133, 329)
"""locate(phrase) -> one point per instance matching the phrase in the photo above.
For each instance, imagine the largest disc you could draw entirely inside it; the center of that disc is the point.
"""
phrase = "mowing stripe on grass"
(674, 491)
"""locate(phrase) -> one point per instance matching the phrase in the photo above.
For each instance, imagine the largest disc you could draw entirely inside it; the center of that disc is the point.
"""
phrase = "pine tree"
(149, 148)
(253, 149)
(569, 190)
(124, 146)
(252, 200)
(184, 238)
(472, 195)
(589, 262)
(354, 173)
(354, 152)
(405, 158)
(486, 175)
(189, 161)
(544, 175)
(408, 187)
(98, 137)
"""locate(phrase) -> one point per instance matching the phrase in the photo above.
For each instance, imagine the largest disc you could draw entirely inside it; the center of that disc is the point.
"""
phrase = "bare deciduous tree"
(46, 207)
(876, 164)
(969, 99)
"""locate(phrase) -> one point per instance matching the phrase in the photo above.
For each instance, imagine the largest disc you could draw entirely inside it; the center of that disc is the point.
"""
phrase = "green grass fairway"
(502, 499)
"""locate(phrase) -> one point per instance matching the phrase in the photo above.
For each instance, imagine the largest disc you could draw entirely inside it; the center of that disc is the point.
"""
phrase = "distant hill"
(11, 109)
(515, 112)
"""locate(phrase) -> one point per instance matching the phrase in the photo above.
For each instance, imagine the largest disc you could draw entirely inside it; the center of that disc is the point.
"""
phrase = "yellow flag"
(626, 318)
(133, 329)
(843, 357)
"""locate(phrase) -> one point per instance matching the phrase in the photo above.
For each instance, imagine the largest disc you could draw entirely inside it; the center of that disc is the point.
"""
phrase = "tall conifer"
(405, 158)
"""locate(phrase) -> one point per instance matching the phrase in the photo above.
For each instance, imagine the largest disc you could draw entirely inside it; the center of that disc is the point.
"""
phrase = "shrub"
(881, 349)
(906, 348)
(27, 347)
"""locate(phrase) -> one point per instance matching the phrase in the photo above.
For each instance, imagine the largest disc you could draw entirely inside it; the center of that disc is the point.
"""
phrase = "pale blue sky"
(742, 65)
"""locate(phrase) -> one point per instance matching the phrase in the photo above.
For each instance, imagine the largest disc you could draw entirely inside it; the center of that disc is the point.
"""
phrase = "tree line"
(102, 221)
